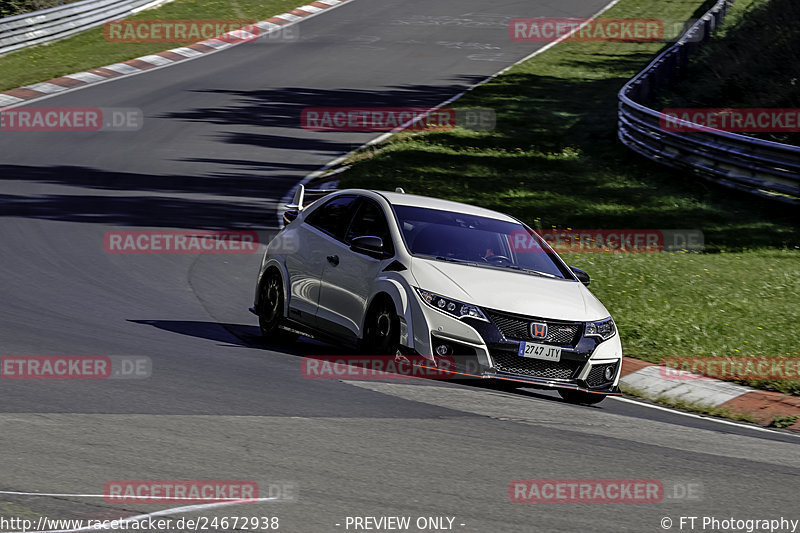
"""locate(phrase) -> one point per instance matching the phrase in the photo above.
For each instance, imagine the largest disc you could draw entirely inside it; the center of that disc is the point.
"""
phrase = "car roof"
(428, 202)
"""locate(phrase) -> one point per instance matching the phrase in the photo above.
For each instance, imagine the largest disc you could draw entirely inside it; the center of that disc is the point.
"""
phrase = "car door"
(305, 266)
(347, 282)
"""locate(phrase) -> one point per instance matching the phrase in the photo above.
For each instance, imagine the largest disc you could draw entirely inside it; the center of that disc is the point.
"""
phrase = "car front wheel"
(270, 312)
(382, 329)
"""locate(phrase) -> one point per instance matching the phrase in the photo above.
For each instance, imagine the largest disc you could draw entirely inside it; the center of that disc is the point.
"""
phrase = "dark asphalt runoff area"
(220, 145)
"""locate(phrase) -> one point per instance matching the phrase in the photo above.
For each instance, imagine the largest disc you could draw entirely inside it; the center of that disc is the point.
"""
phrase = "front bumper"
(481, 350)
(573, 371)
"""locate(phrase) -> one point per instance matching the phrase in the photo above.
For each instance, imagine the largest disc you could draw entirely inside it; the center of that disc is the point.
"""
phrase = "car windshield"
(457, 237)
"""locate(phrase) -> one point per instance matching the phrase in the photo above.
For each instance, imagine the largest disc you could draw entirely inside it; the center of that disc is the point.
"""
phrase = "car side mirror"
(367, 244)
(582, 276)
(289, 215)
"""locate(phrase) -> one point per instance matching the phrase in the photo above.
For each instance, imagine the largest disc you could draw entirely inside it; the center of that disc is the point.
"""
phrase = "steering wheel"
(497, 259)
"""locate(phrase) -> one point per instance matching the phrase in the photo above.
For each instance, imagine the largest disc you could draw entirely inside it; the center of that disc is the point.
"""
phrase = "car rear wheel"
(270, 312)
(382, 329)
(587, 398)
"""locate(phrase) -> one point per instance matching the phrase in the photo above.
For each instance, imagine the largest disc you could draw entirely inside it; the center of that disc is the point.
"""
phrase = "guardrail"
(48, 25)
(766, 168)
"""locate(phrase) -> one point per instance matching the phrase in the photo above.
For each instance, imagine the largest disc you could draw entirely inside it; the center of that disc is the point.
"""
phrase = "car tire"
(586, 398)
(270, 308)
(382, 329)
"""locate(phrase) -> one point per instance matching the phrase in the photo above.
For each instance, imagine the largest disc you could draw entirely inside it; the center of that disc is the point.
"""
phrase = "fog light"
(443, 349)
(609, 372)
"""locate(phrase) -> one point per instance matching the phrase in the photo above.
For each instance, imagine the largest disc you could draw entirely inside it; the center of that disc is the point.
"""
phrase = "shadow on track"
(283, 107)
(243, 335)
(250, 337)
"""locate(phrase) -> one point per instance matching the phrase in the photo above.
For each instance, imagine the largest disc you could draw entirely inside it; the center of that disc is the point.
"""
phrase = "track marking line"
(702, 417)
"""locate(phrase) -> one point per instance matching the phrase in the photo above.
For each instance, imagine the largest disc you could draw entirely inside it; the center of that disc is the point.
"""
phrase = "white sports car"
(394, 273)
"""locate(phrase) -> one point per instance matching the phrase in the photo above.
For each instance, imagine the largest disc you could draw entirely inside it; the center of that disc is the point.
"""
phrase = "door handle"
(334, 260)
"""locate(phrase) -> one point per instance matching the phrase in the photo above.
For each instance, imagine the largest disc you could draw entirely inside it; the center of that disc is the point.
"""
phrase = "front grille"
(518, 328)
(511, 362)
(596, 378)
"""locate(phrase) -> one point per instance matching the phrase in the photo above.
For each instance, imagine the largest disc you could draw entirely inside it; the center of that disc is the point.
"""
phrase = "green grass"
(89, 49)
(783, 421)
(698, 305)
(554, 161)
(10, 8)
(754, 61)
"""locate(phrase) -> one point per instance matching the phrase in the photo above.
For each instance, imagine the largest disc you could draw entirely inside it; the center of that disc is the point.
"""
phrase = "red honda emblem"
(538, 329)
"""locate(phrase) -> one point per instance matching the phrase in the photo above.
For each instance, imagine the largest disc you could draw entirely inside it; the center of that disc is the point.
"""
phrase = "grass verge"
(10, 8)
(781, 422)
(554, 161)
(90, 49)
(754, 61)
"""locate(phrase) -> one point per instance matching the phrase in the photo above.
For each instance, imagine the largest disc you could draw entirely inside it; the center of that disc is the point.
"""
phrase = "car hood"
(508, 290)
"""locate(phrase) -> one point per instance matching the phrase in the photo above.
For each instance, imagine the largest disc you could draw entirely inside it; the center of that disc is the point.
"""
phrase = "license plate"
(545, 352)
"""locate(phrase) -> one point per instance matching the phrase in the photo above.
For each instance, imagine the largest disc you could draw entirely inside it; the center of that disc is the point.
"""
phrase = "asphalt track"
(221, 144)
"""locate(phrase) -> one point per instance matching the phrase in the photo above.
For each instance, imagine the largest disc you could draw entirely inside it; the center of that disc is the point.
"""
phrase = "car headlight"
(604, 329)
(451, 307)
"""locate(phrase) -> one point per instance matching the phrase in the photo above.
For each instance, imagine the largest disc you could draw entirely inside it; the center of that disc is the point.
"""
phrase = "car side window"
(370, 220)
(334, 216)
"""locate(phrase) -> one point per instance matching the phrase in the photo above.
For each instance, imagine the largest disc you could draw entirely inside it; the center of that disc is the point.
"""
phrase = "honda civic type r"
(395, 273)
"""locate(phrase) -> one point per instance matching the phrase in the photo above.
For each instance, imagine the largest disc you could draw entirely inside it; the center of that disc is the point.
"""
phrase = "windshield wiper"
(529, 271)
(513, 267)
(454, 260)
